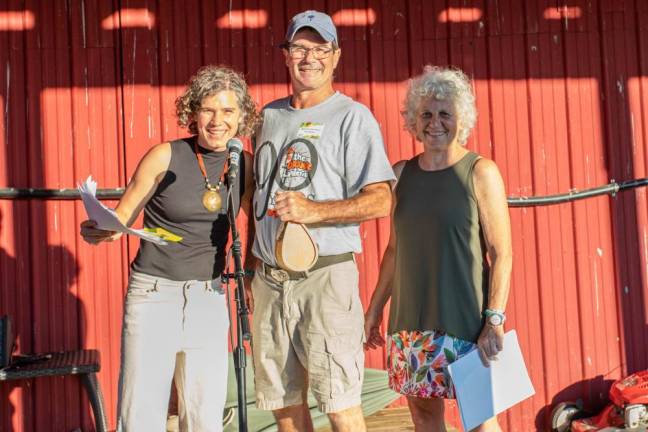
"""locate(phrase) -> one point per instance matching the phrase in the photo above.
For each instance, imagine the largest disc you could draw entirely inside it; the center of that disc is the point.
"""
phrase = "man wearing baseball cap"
(319, 161)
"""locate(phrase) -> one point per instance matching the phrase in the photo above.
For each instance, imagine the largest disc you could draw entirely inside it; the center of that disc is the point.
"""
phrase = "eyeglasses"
(298, 52)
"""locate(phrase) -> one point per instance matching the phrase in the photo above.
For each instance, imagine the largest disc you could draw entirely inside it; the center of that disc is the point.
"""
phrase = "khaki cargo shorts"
(308, 332)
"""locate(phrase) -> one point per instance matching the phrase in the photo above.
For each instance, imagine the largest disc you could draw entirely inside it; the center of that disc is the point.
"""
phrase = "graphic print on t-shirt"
(292, 169)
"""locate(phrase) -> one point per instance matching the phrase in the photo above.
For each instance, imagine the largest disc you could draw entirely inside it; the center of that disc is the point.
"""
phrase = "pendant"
(211, 200)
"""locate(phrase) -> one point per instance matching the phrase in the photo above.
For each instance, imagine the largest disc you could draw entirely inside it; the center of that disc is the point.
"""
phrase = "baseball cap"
(318, 21)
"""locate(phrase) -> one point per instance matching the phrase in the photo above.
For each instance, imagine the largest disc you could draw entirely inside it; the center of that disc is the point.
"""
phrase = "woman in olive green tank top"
(448, 263)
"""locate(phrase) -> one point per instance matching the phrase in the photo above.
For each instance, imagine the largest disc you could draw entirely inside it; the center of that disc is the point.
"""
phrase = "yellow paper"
(164, 234)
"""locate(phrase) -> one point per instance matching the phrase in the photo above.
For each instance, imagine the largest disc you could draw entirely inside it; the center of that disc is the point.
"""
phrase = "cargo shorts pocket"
(334, 365)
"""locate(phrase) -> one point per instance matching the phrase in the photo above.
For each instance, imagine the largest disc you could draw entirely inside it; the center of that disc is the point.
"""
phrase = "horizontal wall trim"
(611, 188)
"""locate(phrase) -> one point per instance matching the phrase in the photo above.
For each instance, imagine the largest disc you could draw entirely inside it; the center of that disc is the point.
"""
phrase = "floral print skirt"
(417, 362)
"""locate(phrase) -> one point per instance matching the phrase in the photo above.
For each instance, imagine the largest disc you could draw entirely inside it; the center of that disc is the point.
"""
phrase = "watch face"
(495, 320)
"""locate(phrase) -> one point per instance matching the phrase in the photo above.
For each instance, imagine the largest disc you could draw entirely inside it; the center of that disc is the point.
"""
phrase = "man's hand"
(372, 330)
(490, 343)
(295, 207)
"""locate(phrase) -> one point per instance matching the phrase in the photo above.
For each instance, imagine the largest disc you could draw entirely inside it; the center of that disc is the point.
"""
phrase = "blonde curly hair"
(208, 81)
(442, 84)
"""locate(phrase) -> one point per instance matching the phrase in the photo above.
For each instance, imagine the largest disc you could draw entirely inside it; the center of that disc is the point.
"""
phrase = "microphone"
(234, 148)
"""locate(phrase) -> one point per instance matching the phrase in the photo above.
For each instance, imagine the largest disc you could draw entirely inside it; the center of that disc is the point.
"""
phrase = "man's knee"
(348, 420)
(294, 418)
(289, 411)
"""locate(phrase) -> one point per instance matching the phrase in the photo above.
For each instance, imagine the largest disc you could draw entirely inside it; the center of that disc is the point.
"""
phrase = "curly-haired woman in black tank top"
(175, 314)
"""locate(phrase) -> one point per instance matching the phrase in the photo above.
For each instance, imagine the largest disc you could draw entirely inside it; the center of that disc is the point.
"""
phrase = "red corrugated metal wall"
(87, 86)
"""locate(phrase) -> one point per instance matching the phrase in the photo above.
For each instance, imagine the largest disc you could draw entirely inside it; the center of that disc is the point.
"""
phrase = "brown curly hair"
(208, 81)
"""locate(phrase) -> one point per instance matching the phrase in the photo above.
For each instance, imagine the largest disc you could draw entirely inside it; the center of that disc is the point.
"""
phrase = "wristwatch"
(494, 317)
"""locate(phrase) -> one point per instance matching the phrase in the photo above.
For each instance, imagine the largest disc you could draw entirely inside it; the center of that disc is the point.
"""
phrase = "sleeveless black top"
(177, 207)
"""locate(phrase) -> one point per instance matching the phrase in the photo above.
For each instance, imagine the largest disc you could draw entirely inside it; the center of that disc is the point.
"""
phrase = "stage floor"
(386, 420)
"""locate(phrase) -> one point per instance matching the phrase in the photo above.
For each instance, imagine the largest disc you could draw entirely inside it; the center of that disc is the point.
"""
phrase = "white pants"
(173, 330)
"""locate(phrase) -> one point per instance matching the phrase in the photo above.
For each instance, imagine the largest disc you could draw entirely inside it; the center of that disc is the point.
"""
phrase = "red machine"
(627, 411)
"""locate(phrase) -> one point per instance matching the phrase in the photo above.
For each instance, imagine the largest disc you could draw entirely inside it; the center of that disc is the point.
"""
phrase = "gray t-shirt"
(327, 152)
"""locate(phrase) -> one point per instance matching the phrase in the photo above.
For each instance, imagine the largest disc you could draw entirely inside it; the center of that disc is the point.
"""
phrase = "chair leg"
(96, 401)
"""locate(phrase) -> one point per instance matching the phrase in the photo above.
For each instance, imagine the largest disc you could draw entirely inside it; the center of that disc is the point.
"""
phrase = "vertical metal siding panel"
(63, 249)
(51, 137)
(274, 73)
(185, 21)
(564, 182)
(42, 60)
(98, 139)
(551, 353)
(7, 267)
(641, 14)
(606, 261)
(235, 54)
(414, 20)
(208, 20)
(620, 166)
(223, 38)
(638, 141)
(277, 71)
(621, 154)
(44, 337)
(612, 160)
(601, 350)
(436, 35)
(508, 143)
(259, 52)
(585, 283)
(7, 238)
(180, 55)
(600, 355)
(176, 57)
(417, 14)
(481, 138)
(593, 286)
(14, 232)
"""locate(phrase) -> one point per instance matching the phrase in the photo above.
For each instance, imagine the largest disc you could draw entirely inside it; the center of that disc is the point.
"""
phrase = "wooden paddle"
(295, 249)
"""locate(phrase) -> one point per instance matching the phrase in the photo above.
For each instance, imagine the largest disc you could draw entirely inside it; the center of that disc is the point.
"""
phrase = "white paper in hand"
(105, 217)
(483, 392)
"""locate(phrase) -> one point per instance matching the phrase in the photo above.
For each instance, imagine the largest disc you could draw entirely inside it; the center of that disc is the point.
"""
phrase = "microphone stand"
(242, 322)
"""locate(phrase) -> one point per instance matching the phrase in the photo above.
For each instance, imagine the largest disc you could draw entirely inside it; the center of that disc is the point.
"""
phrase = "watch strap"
(498, 316)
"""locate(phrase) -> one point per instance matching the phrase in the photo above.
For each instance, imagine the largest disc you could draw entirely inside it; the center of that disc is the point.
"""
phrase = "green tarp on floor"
(375, 396)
